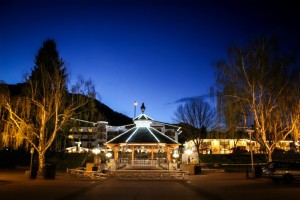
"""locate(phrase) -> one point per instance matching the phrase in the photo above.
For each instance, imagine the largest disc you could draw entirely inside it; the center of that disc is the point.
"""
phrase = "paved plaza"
(15, 185)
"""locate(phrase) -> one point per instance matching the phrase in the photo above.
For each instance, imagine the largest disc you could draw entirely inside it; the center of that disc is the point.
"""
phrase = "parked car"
(282, 171)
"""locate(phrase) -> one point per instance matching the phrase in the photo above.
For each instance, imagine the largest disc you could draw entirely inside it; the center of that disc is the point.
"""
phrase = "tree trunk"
(270, 156)
(199, 158)
(41, 162)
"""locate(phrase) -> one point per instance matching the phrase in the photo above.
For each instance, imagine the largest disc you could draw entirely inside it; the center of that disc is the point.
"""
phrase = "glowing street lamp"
(135, 105)
(31, 160)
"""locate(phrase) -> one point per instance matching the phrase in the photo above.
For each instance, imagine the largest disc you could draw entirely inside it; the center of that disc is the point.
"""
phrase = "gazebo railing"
(141, 162)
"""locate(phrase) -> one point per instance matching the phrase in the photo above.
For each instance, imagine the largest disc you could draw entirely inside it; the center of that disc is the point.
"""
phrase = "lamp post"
(135, 105)
(31, 159)
(250, 131)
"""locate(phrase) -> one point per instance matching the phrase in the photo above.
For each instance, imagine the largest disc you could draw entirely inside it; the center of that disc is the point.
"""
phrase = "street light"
(250, 131)
(31, 159)
(135, 105)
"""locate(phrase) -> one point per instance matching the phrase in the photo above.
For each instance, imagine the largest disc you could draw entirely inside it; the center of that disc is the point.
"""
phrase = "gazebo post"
(168, 153)
(116, 153)
(132, 155)
(152, 153)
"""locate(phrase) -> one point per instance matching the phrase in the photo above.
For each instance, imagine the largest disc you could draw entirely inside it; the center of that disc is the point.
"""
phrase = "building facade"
(227, 146)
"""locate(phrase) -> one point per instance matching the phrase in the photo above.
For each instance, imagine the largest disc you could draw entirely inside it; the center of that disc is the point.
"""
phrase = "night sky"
(156, 52)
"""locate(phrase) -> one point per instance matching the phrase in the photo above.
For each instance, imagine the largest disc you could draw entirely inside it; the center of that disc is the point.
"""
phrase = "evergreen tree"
(45, 107)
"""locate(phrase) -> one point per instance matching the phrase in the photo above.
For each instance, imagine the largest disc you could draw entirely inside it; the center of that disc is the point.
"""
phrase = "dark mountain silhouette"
(101, 110)
(112, 117)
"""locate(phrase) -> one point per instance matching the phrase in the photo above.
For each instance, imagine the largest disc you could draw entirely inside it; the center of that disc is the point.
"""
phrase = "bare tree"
(196, 116)
(255, 88)
(34, 117)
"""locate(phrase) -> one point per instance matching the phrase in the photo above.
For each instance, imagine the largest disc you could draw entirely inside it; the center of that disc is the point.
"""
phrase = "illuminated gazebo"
(142, 137)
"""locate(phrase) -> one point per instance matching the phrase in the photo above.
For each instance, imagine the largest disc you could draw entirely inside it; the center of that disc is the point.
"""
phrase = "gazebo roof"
(142, 133)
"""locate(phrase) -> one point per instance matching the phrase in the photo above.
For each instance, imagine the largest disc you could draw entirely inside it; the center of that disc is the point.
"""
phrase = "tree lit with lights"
(34, 117)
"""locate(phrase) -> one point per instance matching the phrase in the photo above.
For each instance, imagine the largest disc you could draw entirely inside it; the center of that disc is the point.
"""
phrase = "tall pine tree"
(34, 118)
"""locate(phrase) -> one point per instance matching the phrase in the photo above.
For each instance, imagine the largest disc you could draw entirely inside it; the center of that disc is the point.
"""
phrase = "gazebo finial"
(143, 108)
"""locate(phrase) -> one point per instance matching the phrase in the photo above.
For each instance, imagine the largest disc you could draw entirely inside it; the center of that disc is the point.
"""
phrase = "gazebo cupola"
(143, 120)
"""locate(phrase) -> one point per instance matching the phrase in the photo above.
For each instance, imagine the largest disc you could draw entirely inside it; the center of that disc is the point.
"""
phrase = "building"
(227, 146)
(88, 137)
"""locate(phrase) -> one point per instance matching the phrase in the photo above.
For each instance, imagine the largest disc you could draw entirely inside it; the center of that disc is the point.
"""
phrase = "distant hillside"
(112, 117)
(104, 112)
(15, 89)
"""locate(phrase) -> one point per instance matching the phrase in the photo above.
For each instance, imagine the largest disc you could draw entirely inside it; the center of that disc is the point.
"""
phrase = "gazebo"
(142, 138)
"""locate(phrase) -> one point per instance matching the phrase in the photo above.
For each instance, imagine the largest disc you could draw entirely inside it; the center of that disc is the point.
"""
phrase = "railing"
(151, 175)
(140, 162)
(143, 162)
(131, 174)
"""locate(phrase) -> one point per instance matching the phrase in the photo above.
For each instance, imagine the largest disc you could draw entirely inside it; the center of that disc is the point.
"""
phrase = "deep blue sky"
(156, 52)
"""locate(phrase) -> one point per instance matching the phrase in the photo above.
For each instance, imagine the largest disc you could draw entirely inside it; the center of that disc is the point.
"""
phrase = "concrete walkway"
(16, 185)
(216, 186)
